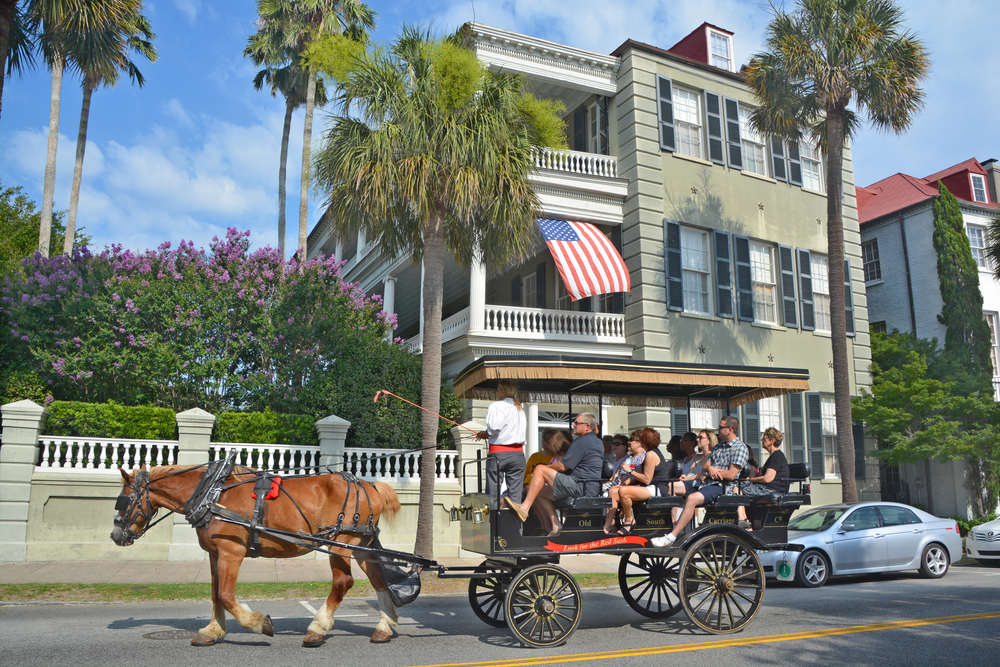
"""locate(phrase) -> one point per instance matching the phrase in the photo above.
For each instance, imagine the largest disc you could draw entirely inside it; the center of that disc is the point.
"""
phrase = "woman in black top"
(641, 484)
(773, 473)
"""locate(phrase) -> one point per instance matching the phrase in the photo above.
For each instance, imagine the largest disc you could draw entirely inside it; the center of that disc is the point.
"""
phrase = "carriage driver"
(506, 427)
(566, 478)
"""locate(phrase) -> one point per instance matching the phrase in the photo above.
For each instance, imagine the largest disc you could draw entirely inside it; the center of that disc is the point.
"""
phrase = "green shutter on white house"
(679, 421)
(859, 449)
(716, 141)
(733, 133)
(786, 265)
(794, 163)
(778, 159)
(751, 428)
(602, 125)
(723, 281)
(672, 258)
(744, 278)
(795, 438)
(618, 299)
(515, 291)
(665, 113)
(814, 429)
(806, 291)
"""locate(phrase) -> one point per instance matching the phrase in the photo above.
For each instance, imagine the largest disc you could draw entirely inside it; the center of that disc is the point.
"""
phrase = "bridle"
(126, 506)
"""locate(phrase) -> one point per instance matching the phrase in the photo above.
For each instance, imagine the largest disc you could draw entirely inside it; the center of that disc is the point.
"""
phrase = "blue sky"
(196, 150)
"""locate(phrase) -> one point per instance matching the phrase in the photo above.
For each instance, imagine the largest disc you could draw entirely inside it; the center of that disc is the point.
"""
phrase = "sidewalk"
(252, 570)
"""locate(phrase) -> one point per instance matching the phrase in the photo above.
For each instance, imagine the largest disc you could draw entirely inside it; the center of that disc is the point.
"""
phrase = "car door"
(859, 543)
(904, 535)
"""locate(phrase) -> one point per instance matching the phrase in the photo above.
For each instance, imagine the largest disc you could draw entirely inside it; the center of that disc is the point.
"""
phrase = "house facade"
(901, 278)
(723, 233)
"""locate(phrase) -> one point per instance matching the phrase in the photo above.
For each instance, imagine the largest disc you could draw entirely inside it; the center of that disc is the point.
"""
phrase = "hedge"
(265, 428)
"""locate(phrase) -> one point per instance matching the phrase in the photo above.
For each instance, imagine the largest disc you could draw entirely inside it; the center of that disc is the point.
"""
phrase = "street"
(898, 619)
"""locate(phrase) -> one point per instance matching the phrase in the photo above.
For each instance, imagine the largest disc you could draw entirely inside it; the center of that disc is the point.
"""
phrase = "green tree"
(919, 416)
(820, 59)
(101, 58)
(432, 155)
(19, 223)
(968, 340)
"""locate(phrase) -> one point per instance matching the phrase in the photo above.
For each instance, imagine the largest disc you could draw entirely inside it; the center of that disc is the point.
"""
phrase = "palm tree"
(291, 81)
(821, 59)
(432, 155)
(15, 41)
(295, 24)
(101, 57)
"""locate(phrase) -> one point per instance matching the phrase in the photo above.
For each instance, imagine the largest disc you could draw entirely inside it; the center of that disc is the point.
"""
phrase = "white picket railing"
(399, 465)
(102, 455)
(563, 324)
(577, 162)
(290, 459)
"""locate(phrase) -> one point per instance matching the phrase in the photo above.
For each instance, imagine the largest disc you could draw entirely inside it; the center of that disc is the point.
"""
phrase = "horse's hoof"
(313, 639)
(202, 640)
(381, 637)
(265, 627)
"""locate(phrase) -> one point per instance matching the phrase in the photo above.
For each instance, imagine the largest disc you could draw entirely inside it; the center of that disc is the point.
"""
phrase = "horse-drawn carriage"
(712, 571)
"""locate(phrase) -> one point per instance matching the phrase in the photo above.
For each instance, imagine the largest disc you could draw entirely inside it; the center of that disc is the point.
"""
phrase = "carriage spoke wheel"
(487, 595)
(722, 583)
(649, 584)
(543, 606)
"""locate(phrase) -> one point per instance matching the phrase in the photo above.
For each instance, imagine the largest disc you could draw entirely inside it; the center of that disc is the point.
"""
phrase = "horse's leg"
(229, 571)
(216, 629)
(387, 610)
(323, 621)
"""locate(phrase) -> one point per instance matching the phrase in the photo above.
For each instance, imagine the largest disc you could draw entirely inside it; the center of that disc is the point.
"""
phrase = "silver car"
(864, 538)
(983, 543)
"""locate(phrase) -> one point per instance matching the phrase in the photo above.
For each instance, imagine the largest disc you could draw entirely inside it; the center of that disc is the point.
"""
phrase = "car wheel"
(934, 561)
(812, 569)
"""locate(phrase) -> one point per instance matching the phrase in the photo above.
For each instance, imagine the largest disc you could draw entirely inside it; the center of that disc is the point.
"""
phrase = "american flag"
(588, 262)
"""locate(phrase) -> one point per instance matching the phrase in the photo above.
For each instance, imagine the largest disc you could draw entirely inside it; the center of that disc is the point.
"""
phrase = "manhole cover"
(171, 634)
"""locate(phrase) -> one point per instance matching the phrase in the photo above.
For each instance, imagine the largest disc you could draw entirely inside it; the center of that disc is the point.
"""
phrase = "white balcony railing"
(561, 324)
(577, 162)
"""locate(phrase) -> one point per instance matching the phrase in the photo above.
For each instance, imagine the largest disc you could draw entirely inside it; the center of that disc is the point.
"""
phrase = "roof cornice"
(663, 53)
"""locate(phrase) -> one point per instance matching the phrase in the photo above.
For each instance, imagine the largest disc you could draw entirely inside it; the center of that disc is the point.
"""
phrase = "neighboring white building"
(901, 278)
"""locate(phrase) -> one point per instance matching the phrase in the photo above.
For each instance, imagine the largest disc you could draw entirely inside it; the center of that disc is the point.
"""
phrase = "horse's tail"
(390, 501)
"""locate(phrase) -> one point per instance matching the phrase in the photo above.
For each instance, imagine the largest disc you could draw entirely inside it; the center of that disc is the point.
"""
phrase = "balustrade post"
(467, 446)
(23, 423)
(194, 436)
(332, 432)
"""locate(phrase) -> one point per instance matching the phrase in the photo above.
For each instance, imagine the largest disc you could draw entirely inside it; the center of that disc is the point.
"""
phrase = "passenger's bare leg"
(541, 476)
(609, 520)
(690, 507)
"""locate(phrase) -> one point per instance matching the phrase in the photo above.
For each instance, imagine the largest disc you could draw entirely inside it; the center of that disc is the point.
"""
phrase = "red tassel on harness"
(273, 492)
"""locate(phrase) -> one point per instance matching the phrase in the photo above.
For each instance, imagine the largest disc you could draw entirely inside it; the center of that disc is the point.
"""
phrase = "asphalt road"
(898, 619)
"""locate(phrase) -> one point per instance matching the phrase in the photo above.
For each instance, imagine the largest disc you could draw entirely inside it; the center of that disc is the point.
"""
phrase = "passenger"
(642, 484)
(609, 449)
(718, 478)
(772, 476)
(555, 444)
(566, 478)
(621, 464)
(691, 468)
(674, 450)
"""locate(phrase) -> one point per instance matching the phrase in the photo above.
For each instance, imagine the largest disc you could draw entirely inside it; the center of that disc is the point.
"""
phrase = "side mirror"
(847, 528)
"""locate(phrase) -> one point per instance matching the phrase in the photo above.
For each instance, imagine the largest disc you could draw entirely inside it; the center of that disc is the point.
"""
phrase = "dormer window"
(720, 51)
(979, 189)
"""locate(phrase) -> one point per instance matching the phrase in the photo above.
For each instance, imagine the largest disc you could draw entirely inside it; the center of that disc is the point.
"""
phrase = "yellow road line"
(721, 643)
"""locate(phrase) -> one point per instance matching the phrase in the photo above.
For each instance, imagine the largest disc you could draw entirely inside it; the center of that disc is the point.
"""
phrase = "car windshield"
(817, 519)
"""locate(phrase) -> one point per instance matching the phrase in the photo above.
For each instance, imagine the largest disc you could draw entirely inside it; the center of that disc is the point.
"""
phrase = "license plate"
(784, 570)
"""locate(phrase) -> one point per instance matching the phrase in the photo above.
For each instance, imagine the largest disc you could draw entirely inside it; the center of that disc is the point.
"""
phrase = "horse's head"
(133, 510)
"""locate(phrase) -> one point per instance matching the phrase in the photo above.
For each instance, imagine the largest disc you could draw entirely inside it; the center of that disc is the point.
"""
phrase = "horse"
(305, 504)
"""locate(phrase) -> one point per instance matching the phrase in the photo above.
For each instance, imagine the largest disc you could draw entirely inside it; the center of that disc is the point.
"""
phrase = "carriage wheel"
(649, 584)
(487, 595)
(722, 583)
(543, 606)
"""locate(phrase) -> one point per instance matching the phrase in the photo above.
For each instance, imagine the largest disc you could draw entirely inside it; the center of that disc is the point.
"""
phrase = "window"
(687, 121)
(719, 48)
(977, 239)
(869, 258)
(695, 272)
(830, 463)
(765, 289)
(812, 166)
(897, 516)
(979, 189)
(821, 291)
(705, 418)
(563, 300)
(754, 159)
(991, 319)
(529, 296)
(771, 415)
(877, 327)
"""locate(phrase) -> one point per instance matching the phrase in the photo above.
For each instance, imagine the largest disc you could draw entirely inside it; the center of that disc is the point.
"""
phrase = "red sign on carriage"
(599, 544)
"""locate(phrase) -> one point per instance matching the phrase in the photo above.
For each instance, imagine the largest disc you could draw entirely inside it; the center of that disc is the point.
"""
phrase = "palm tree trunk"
(81, 146)
(282, 171)
(49, 188)
(838, 316)
(430, 381)
(6, 21)
(306, 149)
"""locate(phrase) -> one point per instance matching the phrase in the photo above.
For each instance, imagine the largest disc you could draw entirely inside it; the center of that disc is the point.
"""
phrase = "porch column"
(338, 251)
(421, 306)
(389, 297)
(531, 443)
(194, 435)
(477, 292)
(23, 422)
(362, 242)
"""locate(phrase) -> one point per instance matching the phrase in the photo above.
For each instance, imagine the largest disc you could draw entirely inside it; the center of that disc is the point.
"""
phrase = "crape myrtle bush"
(227, 330)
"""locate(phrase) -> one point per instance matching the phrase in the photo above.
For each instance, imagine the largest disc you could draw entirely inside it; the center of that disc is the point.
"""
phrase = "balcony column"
(477, 292)
(338, 251)
(421, 306)
(531, 444)
(362, 242)
(389, 298)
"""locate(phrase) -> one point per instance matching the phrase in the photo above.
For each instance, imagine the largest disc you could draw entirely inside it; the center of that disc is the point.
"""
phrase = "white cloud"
(175, 109)
(189, 8)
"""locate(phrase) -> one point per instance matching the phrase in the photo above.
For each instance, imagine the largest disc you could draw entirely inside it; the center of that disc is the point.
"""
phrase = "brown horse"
(321, 499)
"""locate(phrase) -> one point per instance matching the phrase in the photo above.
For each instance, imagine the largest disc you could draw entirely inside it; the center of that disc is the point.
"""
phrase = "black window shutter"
(733, 133)
(744, 279)
(716, 142)
(814, 427)
(515, 291)
(751, 428)
(540, 286)
(786, 264)
(580, 130)
(679, 421)
(806, 291)
(848, 297)
(778, 159)
(665, 113)
(796, 429)
(794, 164)
(602, 125)
(618, 299)
(672, 252)
(723, 270)
(859, 449)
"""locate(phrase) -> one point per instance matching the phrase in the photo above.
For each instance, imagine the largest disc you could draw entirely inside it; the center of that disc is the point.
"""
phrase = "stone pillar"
(389, 297)
(332, 432)
(23, 422)
(477, 292)
(467, 445)
(531, 444)
(194, 434)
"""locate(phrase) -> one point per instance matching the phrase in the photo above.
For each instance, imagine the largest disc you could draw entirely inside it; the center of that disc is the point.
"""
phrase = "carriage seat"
(674, 470)
(736, 500)
(590, 502)
(797, 473)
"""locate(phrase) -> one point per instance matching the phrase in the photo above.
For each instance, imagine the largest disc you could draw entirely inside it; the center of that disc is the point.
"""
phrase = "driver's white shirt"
(505, 424)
